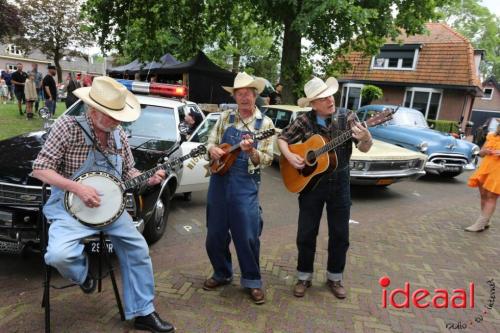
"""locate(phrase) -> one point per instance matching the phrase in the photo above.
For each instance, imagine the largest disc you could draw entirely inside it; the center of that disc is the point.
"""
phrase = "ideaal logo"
(439, 299)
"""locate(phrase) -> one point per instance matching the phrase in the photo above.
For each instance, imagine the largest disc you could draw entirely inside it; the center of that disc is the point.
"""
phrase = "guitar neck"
(334, 143)
(129, 184)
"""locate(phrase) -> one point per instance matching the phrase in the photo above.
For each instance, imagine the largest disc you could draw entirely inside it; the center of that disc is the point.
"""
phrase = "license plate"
(452, 168)
(385, 181)
(94, 246)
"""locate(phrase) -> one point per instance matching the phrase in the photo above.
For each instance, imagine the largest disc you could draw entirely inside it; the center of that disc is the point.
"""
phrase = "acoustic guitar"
(222, 165)
(315, 151)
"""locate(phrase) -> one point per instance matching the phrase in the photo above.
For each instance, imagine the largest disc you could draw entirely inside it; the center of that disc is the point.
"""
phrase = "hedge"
(447, 126)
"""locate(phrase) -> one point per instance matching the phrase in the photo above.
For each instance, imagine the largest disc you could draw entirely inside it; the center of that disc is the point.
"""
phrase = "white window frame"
(400, 64)
(427, 90)
(348, 86)
(491, 95)
(13, 50)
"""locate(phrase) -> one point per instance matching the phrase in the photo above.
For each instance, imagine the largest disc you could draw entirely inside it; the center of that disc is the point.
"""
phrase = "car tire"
(450, 174)
(157, 224)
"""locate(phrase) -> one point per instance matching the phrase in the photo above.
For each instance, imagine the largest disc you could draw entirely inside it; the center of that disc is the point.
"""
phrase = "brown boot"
(337, 289)
(300, 288)
(212, 284)
(257, 295)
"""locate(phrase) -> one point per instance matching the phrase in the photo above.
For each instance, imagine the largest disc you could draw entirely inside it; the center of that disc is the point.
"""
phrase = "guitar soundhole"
(310, 158)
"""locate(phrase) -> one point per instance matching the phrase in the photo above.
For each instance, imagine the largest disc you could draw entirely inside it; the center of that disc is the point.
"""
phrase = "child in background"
(31, 94)
(3, 92)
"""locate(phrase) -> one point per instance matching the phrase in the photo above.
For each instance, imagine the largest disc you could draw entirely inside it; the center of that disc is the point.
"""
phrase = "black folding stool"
(103, 258)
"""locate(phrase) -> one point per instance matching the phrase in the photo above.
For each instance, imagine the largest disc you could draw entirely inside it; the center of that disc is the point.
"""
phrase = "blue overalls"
(233, 212)
(65, 249)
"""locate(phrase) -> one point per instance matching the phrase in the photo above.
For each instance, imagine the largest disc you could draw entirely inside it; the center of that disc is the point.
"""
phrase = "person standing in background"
(18, 79)
(38, 77)
(30, 94)
(50, 89)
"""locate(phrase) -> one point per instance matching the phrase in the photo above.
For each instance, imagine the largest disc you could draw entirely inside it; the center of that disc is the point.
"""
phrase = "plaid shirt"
(306, 126)
(264, 147)
(65, 150)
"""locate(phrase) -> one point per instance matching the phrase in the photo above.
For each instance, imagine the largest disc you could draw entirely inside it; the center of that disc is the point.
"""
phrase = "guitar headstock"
(265, 134)
(381, 117)
(200, 150)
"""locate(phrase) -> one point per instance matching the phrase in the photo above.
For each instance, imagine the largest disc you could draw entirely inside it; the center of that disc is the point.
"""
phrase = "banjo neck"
(131, 183)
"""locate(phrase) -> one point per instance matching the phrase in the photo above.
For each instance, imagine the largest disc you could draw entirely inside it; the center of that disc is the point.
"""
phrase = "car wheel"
(155, 228)
(450, 174)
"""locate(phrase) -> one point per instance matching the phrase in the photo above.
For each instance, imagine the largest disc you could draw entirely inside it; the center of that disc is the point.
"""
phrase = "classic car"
(482, 131)
(383, 165)
(154, 138)
(447, 156)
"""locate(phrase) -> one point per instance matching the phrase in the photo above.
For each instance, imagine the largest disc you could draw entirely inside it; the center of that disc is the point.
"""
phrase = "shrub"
(447, 126)
(370, 93)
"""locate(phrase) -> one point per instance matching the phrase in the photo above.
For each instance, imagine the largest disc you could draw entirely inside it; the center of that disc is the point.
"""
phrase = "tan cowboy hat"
(243, 80)
(316, 88)
(110, 97)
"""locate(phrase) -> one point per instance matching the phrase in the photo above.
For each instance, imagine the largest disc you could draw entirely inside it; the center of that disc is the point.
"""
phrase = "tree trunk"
(236, 62)
(290, 63)
(57, 58)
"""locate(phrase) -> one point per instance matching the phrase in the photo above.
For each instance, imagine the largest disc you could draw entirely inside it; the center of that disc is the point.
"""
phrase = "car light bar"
(161, 89)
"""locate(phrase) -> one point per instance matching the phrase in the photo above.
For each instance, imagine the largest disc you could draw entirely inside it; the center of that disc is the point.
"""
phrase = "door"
(195, 175)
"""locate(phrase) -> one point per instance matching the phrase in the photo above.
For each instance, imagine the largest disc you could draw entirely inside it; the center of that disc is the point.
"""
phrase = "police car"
(154, 138)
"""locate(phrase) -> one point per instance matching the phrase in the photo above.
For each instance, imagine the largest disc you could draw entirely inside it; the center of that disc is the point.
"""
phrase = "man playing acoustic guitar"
(95, 142)
(233, 205)
(331, 187)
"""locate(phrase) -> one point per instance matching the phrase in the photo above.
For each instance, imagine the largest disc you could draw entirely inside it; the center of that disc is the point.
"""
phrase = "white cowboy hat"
(316, 88)
(243, 80)
(110, 97)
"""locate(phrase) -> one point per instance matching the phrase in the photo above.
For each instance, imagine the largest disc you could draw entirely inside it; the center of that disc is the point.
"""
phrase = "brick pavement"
(427, 249)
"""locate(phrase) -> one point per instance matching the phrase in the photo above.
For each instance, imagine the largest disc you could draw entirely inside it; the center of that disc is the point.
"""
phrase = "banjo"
(111, 189)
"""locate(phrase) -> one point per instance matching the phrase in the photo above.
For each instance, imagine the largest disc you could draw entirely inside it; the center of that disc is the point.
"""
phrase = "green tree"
(370, 93)
(10, 22)
(480, 26)
(55, 28)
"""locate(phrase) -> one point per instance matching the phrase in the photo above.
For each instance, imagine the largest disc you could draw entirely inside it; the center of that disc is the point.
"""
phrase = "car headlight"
(475, 150)
(355, 165)
(423, 146)
(351, 165)
(413, 163)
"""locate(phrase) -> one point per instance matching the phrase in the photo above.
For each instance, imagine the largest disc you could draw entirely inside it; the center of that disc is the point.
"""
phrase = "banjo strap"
(96, 146)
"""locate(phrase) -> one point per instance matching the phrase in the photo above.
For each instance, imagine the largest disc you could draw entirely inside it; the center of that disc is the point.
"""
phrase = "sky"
(492, 5)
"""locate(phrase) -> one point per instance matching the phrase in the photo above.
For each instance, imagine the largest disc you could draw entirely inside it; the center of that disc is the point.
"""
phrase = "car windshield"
(155, 122)
(493, 124)
(410, 118)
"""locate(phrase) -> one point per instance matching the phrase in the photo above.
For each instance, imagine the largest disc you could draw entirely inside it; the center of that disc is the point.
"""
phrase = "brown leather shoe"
(300, 288)
(257, 295)
(212, 284)
(337, 289)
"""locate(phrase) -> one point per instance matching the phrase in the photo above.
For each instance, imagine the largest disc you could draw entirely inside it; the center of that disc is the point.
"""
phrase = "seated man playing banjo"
(90, 143)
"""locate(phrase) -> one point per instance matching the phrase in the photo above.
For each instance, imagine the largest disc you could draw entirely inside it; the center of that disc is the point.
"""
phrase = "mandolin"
(315, 151)
(222, 165)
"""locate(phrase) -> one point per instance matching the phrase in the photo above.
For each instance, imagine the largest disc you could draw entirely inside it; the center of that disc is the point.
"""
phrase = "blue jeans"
(334, 191)
(51, 105)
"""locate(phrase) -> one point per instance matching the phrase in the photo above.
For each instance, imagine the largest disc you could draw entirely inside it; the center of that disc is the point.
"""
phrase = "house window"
(12, 67)
(424, 100)
(12, 49)
(396, 57)
(351, 96)
(488, 93)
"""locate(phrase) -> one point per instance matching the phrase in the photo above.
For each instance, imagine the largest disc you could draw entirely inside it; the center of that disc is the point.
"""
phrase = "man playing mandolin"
(95, 142)
(331, 187)
(233, 205)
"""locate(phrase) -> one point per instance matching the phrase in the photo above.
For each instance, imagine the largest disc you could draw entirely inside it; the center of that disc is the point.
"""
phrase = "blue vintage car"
(448, 156)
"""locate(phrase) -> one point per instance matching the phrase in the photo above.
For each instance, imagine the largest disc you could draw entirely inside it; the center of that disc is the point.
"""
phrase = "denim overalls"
(233, 212)
(65, 249)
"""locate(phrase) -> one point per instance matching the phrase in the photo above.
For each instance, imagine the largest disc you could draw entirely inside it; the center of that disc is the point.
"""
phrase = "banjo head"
(111, 195)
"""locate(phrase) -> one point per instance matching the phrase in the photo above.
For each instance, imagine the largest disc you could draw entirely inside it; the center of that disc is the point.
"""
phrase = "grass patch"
(12, 123)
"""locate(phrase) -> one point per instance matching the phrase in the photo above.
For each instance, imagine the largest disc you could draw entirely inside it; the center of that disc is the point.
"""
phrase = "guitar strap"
(96, 146)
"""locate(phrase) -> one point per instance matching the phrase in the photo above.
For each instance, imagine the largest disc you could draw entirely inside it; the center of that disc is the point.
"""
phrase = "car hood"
(425, 134)
(19, 152)
(385, 151)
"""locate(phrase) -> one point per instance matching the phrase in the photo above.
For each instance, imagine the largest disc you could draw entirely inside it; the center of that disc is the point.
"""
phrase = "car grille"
(393, 165)
(20, 195)
(448, 159)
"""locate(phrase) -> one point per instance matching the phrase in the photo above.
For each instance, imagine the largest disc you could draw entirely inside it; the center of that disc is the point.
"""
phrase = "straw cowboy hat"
(243, 80)
(316, 88)
(111, 98)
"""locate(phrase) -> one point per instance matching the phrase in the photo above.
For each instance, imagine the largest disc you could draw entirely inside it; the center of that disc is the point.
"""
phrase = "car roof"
(380, 107)
(287, 107)
(160, 101)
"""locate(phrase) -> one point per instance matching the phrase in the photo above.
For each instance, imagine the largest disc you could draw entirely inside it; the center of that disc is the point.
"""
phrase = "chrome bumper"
(372, 177)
